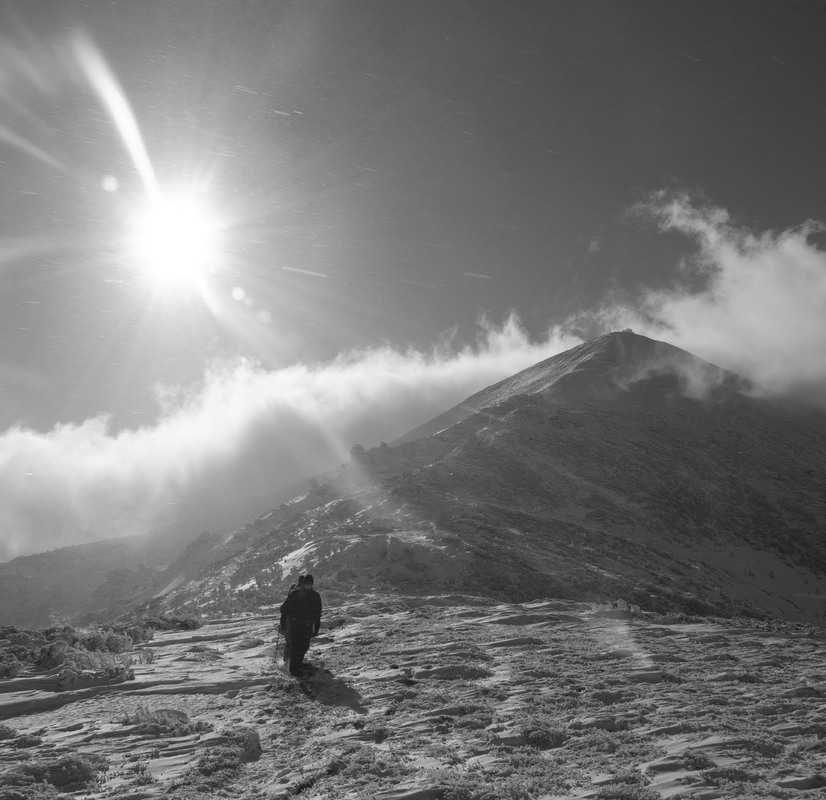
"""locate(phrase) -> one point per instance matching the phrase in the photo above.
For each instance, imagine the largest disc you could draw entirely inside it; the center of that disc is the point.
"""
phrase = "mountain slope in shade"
(600, 473)
(69, 580)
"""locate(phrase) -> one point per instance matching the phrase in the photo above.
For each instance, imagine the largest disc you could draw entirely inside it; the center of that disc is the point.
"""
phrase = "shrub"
(142, 775)
(80, 660)
(33, 791)
(139, 633)
(160, 715)
(27, 740)
(83, 650)
(627, 793)
(53, 655)
(70, 677)
(721, 775)
(694, 760)
(216, 767)
(118, 643)
(164, 722)
(59, 619)
(248, 743)
(544, 737)
(95, 641)
(7, 733)
(765, 746)
(467, 786)
(10, 666)
(219, 759)
(143, 657)
(70, 773)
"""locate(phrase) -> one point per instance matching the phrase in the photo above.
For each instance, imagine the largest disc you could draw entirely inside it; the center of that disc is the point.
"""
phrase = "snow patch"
(295, 560)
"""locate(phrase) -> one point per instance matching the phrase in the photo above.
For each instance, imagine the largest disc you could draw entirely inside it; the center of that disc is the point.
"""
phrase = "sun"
(174, 239)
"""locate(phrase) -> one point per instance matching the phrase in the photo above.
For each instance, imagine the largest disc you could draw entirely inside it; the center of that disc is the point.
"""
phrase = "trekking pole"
(277, 640)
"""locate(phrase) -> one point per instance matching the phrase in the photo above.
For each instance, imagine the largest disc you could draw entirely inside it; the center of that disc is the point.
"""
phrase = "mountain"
(601, 371)
(623, 468)
(68, 581)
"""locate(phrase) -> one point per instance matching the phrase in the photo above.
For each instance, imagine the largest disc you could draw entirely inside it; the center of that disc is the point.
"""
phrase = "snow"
(295, 560)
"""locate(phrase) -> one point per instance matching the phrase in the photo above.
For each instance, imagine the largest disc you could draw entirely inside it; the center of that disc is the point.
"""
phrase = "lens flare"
(173, 236)
(114, 101)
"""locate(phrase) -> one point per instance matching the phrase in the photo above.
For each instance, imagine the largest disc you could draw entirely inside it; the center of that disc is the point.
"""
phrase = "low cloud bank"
(241, 434)
(753, 303)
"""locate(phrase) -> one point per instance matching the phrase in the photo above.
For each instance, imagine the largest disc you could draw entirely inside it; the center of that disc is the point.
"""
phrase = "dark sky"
(386, 172)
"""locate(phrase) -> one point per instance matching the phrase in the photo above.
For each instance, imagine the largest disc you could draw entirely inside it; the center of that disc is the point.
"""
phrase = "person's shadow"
(321, 685)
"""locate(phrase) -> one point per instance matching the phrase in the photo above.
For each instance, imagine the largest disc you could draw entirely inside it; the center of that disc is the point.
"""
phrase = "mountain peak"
(603, 369)
(616, 368)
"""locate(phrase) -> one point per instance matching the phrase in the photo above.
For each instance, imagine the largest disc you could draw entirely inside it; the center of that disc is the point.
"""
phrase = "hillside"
(74, 581)
(68, 581)
(624, 467)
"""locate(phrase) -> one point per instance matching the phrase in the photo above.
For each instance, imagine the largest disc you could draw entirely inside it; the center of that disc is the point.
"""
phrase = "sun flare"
(175, 240)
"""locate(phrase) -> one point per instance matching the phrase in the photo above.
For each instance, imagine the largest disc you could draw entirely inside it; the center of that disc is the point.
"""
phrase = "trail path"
(420, 698)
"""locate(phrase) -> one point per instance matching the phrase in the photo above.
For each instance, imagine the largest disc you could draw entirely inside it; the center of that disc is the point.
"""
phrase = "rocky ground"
(450, 698)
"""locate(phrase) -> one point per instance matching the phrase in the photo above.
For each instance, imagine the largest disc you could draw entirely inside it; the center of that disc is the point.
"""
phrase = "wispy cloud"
(754, 303)
(240, 434)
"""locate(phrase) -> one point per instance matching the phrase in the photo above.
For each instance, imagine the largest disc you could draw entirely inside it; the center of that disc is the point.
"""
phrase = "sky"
(238, 237)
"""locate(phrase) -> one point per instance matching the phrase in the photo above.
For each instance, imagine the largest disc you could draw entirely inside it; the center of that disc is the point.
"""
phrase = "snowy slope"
(597, 473)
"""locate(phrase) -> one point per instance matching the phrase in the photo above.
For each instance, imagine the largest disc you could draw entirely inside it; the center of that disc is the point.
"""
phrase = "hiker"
(301, 619)
(283, 625)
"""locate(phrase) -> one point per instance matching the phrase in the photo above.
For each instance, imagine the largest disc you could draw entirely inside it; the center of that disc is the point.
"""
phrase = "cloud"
(754, 303)
(222, 447)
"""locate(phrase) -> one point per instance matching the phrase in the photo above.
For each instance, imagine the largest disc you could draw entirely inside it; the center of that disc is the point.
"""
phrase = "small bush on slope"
(70, 773)
(36, 791)
(217, 767)
(164, 722)
(80, 649)
(470, 786)
(164, 622)
(10, 665)
(217, 760)
(544, 736)
(80, 660)
(220, 765)
(76, 652)
(627, 793)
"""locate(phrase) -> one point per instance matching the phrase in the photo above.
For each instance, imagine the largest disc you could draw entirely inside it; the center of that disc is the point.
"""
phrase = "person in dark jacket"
(300, 620)
(283, 625)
